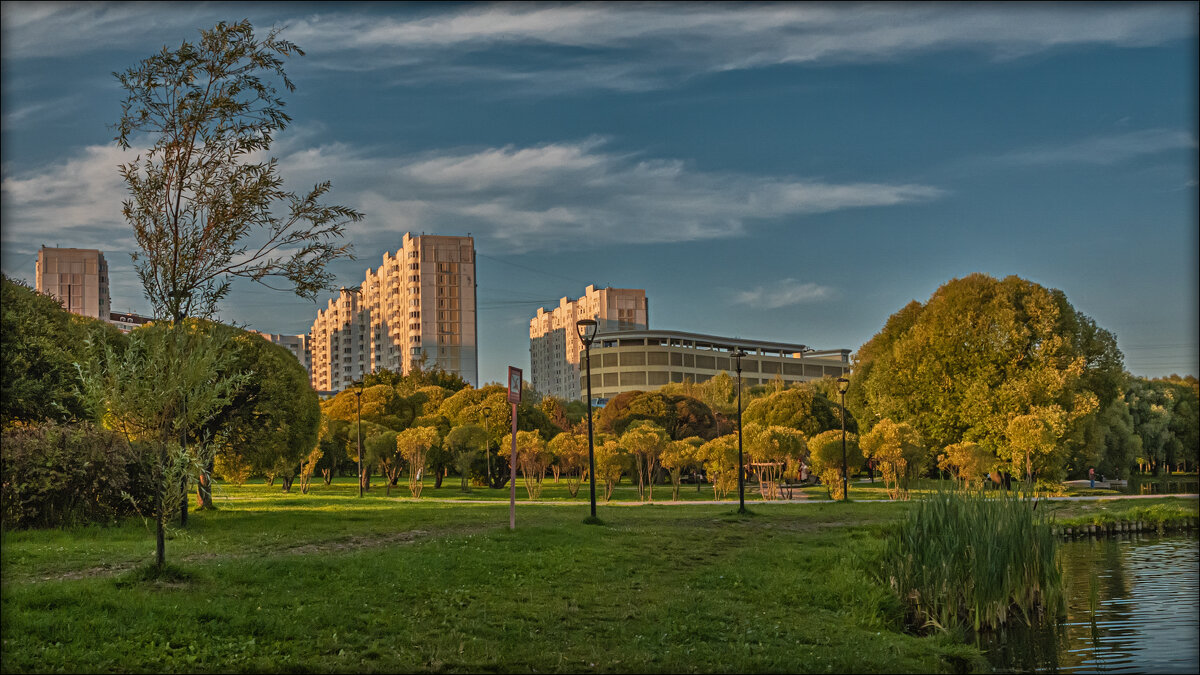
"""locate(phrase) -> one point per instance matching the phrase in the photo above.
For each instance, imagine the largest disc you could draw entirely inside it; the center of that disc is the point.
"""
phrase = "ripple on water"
(1147, 616)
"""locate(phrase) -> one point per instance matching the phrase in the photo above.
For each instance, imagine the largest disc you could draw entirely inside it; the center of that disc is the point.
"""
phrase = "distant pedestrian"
(1092, 477)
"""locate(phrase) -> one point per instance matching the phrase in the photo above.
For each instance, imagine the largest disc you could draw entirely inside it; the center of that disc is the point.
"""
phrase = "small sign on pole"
(514, 384)
(514, 397)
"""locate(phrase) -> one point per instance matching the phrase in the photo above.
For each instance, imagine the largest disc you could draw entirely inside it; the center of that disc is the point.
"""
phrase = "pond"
(1169, 485)
(1133, 605)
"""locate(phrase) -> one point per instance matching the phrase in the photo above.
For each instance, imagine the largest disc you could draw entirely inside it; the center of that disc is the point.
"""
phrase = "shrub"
(62, 475)
(966, 559)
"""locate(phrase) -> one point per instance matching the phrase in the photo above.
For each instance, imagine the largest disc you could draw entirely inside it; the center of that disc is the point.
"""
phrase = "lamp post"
(737, 355)
(487, 443)
(587, 333)
(844, 384)
(358, 415)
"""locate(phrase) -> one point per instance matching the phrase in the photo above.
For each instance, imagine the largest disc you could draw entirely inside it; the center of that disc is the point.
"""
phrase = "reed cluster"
(974, 559)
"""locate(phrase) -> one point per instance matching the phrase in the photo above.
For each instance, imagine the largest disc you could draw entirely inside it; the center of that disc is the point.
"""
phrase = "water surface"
(1145, 616)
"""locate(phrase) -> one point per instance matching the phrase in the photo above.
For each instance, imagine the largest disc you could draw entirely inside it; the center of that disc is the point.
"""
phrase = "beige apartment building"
(77, 278)
(296, 344)
(646, 360)
(417, 308)
(554, 343)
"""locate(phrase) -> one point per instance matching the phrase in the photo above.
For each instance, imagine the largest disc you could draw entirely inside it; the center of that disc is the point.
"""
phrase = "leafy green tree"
(825, 459)
(465, 442)
(379, 449)
(611, 462)
(982, 352)
(413, 445)
(645, 441)
(203, 210)
(273, 422)
(570, 452)
(439, 458)
(333, 441)
(678, 457)
(899, 453)
(797, 408)
(970, 462)
(720, 457)
(532, 458)
(381, 404)
(1033, 448)
(773, 451)
(681, 416)
(40, 343)
(164, 386)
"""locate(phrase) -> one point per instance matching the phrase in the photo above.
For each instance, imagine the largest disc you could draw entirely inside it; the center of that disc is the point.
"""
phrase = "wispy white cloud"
(549, 197)
(595, 45)
(784, 293)
(1112, 149)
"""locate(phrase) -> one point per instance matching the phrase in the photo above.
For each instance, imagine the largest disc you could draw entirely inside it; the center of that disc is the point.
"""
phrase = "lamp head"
(843, 384)
(587, 330)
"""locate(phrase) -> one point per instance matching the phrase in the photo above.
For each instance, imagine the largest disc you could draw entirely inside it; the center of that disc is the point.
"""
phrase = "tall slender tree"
(203, 207)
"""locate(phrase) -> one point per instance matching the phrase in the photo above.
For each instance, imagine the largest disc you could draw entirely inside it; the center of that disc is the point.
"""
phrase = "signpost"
(514, 397)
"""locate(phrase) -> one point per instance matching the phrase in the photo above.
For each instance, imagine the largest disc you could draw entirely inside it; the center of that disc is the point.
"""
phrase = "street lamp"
(587, 333)
(737, 355)
(358, 416)
(844, 384)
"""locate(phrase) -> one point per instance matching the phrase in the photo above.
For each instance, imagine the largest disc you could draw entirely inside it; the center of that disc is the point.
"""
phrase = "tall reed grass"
(975, 559)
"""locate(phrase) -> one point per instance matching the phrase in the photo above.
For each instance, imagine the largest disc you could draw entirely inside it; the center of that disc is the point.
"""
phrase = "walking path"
(755, 502)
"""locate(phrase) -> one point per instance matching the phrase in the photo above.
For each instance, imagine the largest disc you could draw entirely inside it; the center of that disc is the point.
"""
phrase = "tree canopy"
(202, 209)
(981, 353)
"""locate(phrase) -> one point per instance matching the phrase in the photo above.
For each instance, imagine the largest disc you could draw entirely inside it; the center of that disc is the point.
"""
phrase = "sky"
(784, 172)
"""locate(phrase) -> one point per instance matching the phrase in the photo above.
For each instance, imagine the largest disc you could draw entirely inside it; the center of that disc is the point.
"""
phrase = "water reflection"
(1133, 605)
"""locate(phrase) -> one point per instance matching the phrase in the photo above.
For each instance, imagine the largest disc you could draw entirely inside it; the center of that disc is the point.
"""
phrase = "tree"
(825, 459)
(681, 416)
(532, 458)
(379, 449)
(773, 450)
(309, 468)
(202, 210)
(720, 457)
(413, 445)
(464, 442)
(797, 408)
(273, 422)
(439, 459)
(1033, 445)
(970, 462)
(611, 461)
(570, 451)
(982, 352)
(166, 385)
(40, 342)
(333, 441)
(645, 441)
(677, 457)
(898, 452)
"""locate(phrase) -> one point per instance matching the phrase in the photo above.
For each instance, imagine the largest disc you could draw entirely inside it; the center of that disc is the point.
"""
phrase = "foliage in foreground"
(974, 559)
(61, 475)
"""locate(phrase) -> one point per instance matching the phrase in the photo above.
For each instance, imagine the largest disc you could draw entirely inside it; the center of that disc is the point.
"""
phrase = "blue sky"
(786, 172)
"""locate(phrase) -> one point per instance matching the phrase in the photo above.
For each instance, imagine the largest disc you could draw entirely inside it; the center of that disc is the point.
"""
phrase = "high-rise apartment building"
(417, 308)
(554, 343)
(77, 278)
(296, 344)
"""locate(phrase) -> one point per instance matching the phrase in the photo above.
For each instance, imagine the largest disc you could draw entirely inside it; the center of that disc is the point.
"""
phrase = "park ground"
(328, 582)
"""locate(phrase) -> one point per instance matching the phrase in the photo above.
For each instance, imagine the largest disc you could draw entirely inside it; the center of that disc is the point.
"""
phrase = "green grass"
(328, 582)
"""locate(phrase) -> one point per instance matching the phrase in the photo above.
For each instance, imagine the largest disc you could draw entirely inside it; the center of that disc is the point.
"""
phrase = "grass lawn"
(328, 582)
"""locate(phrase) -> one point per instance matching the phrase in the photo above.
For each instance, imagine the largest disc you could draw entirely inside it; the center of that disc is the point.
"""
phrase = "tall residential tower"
(417, 308)
(77, 278)
(554, 343)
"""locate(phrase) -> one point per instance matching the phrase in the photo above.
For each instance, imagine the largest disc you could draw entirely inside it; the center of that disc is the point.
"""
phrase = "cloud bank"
(601, 46)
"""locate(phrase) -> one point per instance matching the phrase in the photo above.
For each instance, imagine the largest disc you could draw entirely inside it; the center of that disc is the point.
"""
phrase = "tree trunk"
(437, 479)
(287, 483)
(327, 474)
(204, 498)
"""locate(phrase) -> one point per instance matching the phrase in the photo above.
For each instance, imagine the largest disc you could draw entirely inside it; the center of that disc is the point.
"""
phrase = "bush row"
(56, 475)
